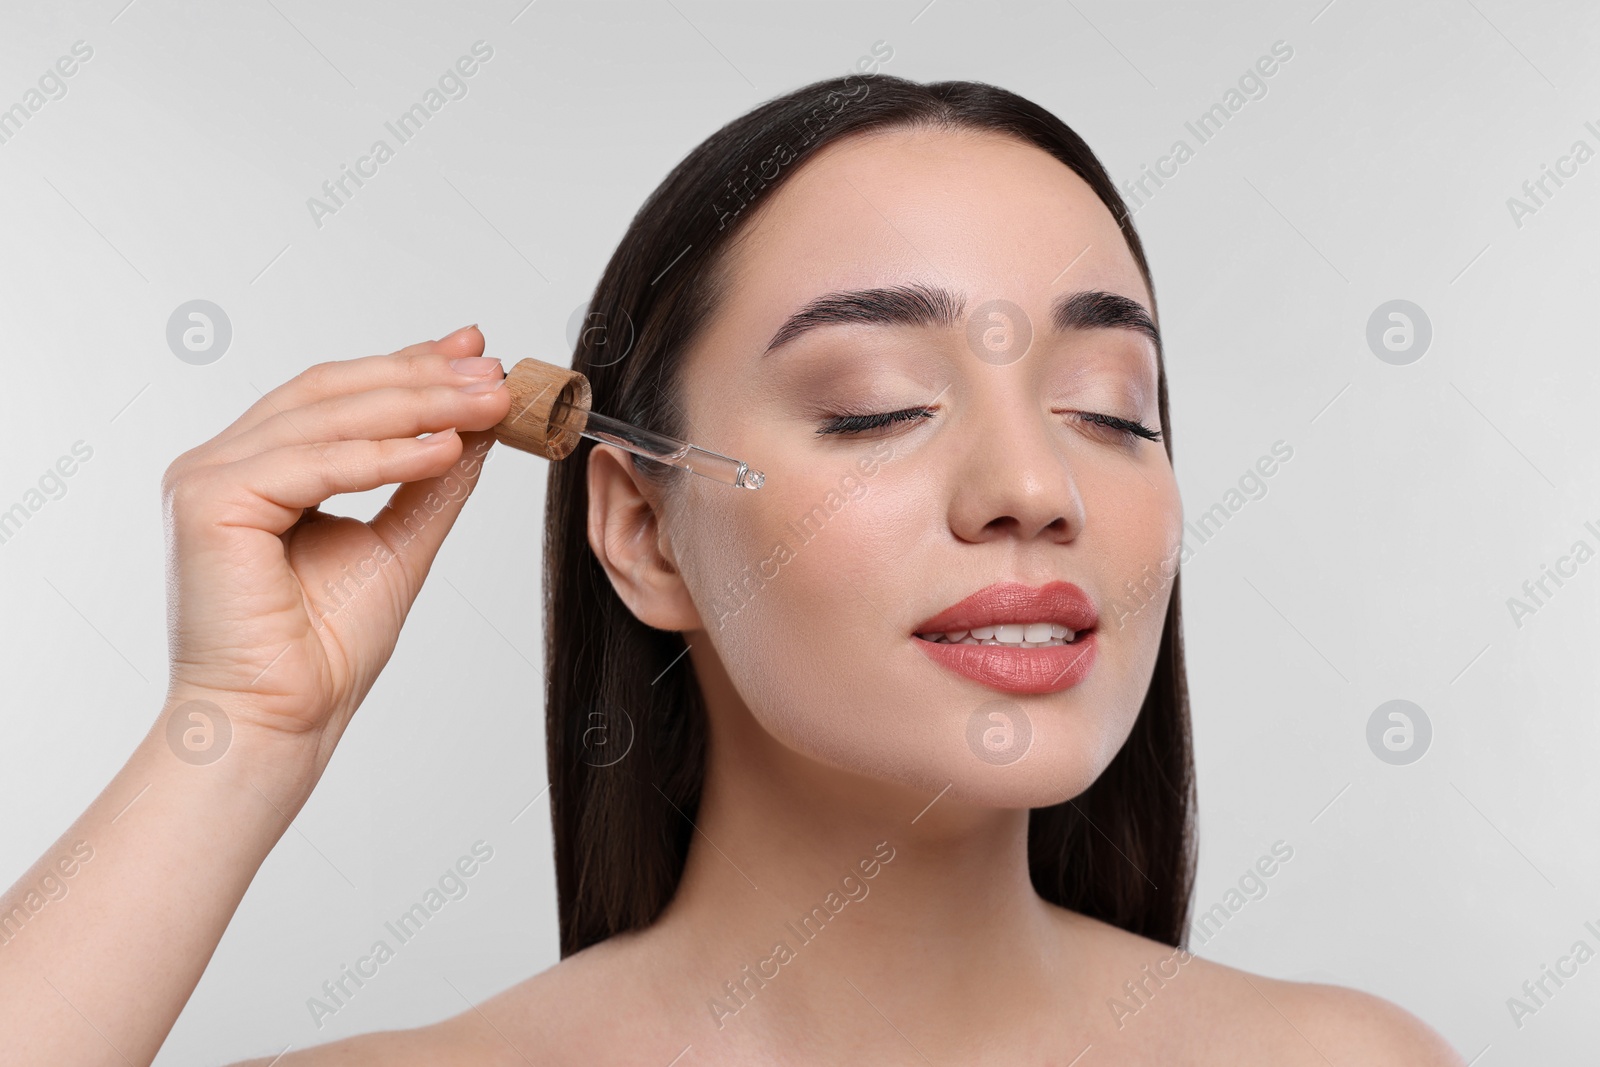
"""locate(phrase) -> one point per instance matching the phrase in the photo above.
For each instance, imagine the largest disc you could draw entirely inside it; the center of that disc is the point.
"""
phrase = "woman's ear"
(629, 539)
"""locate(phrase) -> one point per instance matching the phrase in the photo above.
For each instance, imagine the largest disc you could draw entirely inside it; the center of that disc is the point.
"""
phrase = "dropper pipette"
(659, 447)
(550, 411)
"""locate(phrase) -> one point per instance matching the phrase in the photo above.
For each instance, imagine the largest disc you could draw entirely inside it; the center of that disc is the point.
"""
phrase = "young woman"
(887, 761)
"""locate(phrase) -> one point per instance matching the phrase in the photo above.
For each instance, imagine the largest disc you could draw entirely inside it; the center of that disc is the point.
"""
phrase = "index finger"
(424, 363)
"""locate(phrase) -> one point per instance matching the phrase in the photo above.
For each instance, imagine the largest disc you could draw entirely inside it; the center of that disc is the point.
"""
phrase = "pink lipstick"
(1015, 637)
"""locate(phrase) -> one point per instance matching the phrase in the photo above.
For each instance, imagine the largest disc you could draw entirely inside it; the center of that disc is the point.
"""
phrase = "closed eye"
(1127, 426)
(861, 423)
(851, 424)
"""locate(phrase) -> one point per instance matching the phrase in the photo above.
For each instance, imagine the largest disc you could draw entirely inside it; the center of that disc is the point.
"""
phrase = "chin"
(1059, 761)
(998, 753)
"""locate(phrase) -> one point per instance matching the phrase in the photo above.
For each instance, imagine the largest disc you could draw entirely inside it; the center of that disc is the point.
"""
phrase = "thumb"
(419, 514)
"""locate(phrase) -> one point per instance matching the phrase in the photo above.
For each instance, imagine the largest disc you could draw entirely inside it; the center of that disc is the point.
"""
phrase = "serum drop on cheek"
(550, 411)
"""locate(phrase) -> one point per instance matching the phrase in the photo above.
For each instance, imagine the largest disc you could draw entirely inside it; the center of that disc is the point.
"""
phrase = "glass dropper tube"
(659, 447)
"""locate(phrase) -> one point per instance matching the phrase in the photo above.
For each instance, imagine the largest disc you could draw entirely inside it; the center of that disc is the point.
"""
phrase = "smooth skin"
(830, 731)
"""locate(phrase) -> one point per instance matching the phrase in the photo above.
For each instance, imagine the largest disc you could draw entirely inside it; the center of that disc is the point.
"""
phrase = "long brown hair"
(1123, 851)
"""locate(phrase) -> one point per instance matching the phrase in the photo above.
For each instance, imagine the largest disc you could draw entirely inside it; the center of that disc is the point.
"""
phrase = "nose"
(1013, 477)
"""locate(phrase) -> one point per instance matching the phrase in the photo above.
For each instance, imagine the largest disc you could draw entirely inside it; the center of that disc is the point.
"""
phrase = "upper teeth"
(1019, 634)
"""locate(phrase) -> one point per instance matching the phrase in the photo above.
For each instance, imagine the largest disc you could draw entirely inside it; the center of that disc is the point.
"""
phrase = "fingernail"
(453, 333)
(488, 385)
(475, 366)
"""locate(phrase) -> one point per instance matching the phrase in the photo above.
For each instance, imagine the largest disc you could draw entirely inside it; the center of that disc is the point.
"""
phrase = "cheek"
(1140, 540)
(794, 554)
(801, 588)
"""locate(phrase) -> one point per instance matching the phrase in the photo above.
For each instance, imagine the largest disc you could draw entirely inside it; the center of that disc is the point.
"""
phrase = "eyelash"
(853, 424)
(850, 424)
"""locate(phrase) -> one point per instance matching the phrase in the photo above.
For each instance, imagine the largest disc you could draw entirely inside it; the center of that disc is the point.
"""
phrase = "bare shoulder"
(1208, 1011)
(423, 1045)
(539, 1020)
(1348, 1024)
(447, 1041)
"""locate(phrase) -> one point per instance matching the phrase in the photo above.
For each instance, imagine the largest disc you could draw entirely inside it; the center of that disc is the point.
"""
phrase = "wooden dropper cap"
(535, 388)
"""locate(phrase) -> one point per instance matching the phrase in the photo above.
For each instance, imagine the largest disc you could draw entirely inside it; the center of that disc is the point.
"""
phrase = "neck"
(803, 880)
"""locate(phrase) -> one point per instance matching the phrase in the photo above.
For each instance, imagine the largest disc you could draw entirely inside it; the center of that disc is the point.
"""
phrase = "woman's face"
(811, 591)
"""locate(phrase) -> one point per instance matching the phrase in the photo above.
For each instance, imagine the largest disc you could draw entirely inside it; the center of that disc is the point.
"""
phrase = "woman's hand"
(280, 618)
(280, 615)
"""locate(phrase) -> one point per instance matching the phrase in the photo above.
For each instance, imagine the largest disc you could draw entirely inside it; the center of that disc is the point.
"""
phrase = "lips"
(1013, 602)
(1039, 670)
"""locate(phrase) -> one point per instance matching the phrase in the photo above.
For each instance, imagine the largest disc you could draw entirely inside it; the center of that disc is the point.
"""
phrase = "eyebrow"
(923, 305)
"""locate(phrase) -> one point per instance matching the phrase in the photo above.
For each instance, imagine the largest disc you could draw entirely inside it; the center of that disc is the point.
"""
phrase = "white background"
(1418, 499)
